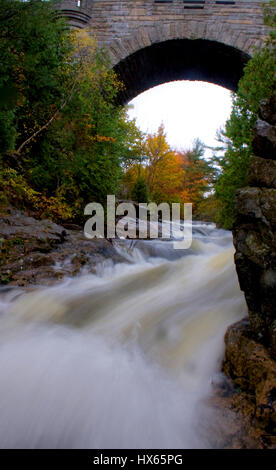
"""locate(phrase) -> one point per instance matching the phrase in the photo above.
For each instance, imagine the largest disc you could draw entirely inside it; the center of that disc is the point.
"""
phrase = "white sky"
(188, 110)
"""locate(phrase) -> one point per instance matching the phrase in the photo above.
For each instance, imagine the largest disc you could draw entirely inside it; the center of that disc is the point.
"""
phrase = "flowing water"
(124, 357)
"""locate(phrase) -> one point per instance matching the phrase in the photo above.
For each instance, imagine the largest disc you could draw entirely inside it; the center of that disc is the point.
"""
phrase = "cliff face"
(254, 230)
(251, 345)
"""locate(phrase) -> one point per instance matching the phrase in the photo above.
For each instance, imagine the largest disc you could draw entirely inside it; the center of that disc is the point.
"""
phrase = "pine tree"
(140, 191)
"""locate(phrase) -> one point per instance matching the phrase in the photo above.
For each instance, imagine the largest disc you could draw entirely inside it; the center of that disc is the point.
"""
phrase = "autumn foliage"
(170, 176)
(63, 138)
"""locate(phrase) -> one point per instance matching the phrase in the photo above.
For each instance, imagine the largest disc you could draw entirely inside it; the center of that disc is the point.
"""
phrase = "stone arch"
(144, 36)
(180, 59)
(132, 30)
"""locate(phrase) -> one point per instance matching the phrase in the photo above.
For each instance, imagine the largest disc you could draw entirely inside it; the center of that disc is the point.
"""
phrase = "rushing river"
(122, 358)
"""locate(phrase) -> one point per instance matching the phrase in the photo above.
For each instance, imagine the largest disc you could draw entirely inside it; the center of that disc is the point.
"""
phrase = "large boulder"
(250, 366)
(255, 257)
(262, 172)
(255, 228)
(251, 344)
(267, 110)
(42, 252)
(264, 142)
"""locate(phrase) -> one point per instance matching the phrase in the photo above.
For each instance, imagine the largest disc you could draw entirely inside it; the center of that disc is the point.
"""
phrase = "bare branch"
(47, 124)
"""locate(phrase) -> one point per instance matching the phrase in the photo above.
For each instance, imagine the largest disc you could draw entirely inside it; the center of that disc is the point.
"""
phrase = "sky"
(189, 110)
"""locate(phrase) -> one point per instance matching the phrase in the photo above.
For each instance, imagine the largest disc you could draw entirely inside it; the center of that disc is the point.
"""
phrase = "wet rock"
(262, 172)
(267, 110)
(254, 231)
(254, 228)
(255, 258)
(41, 234)
(251, 344)
(264, 142)
(248, 363)
(68, 226)
(42, 276)
(231, 423)
(41, 252)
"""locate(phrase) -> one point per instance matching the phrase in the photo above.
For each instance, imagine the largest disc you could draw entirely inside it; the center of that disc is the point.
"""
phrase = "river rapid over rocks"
(127, 354)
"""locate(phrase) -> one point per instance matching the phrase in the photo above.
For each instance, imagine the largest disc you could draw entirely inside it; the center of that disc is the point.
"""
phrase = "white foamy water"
(124, 358)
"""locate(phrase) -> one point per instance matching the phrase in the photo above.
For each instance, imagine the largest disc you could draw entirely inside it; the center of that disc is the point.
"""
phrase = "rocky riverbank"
(41, 252)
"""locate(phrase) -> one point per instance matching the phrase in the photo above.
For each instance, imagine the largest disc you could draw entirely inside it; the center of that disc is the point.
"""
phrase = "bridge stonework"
(126, 28)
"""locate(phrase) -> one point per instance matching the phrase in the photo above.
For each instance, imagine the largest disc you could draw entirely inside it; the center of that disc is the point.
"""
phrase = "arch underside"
(180, 59)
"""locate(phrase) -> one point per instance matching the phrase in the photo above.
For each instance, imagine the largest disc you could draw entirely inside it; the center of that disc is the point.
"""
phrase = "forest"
(65, 141)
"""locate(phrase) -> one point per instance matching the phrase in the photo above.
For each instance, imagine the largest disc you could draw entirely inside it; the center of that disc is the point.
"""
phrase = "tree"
(197, 174)
(157, 150)
(34, 42)
(167, 183)
(82, 154)
(140, 190)
(63, 138)
(173, 176)
(258, 82)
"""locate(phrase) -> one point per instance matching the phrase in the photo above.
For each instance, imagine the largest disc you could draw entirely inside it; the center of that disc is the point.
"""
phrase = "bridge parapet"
(76, 12)
(129, 28)
(126, 26)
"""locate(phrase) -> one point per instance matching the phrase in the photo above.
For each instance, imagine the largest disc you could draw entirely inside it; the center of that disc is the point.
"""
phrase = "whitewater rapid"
(123, 358)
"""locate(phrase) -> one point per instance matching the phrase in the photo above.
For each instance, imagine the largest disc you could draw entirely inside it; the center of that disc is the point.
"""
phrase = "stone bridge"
(155, 41)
